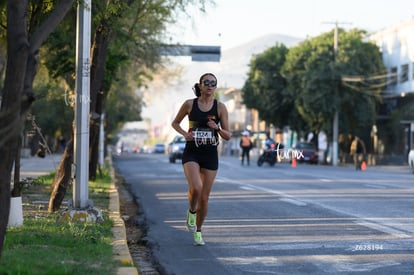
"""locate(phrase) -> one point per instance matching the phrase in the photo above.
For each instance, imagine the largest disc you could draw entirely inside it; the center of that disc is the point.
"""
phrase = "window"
(392, 76)
(412, 68)
(404, 73)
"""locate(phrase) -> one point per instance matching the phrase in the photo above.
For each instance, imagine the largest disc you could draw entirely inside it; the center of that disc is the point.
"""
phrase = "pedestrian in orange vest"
(246, 145)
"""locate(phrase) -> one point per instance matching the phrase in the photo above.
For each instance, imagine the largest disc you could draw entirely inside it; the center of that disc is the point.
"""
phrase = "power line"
(368, 83)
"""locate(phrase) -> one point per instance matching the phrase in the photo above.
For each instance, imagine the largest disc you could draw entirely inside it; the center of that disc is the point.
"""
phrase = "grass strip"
(43, 245)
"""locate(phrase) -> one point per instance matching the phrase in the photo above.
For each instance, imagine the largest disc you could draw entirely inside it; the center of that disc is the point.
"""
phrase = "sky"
(231, 23)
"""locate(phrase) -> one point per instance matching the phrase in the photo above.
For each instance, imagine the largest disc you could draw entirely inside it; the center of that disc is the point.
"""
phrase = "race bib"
(204, 136)
(203, 133)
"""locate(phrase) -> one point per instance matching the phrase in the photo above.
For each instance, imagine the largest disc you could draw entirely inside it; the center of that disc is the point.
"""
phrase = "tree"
(25, 34)
(314, 75)
(266, 89)
(52, 108)
(127, 34)
(28, 25)
(361, 59)
(307, 70)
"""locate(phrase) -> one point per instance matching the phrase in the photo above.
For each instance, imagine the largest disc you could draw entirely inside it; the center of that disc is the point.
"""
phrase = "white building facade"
(397, 46)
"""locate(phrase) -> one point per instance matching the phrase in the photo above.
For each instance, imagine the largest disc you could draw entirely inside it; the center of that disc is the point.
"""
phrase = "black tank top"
(198, 123)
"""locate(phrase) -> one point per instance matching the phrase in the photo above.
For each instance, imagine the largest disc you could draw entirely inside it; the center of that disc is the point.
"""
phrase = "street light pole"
(335, 124)
(82, 88)
(336, 115)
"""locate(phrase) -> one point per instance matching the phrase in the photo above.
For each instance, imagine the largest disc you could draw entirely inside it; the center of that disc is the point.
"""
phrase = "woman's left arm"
(224, 122)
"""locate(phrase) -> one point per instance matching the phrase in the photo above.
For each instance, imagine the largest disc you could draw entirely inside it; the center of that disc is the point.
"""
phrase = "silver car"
(176, 148)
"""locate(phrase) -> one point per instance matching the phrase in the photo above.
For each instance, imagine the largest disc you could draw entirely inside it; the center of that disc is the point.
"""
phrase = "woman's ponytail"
(197, 90)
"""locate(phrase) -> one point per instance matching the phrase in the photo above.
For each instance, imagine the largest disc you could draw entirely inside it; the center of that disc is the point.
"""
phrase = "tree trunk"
(17, 95)
(17, 186)
(93, 147)
(6, 166)
(99, 56)
(11, 122)
(62, 178)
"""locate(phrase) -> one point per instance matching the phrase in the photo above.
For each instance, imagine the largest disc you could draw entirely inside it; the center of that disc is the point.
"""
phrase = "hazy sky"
(233, 22)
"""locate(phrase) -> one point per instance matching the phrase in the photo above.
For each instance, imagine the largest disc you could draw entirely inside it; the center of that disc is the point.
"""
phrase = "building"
(397, 46)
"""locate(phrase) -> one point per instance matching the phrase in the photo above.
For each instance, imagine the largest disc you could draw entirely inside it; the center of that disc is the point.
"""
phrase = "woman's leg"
(195, 184)
(207, 177)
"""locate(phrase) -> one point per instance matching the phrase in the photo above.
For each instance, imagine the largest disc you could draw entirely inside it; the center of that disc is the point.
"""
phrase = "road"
(312, 219)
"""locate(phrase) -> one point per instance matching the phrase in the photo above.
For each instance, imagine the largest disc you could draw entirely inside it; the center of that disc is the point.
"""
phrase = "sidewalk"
(33, 167)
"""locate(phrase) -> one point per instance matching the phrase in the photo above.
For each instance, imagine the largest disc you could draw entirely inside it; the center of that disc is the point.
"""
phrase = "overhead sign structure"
(197, 53)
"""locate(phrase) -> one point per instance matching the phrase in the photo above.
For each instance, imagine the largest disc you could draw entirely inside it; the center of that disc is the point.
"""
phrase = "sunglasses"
(209, 83)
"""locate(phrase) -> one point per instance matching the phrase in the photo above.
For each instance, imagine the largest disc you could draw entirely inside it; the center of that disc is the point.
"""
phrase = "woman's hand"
(188, 136)
(212, 124)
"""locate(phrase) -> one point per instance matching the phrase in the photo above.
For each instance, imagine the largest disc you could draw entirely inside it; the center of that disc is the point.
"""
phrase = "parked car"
(159, 148)
(411, 160)
(306, 152)
(176, 148)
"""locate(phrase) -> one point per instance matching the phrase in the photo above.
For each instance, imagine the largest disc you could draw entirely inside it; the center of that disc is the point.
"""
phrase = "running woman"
(208, 122)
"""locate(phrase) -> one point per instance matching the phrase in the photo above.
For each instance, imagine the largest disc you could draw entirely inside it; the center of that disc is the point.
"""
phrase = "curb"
(120, 248)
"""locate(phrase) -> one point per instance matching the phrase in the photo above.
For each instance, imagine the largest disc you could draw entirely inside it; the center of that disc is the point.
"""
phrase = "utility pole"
(81, 142)
(335, 124)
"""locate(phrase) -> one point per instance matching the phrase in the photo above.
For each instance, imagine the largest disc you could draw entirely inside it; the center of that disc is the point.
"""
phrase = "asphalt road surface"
(312, 219)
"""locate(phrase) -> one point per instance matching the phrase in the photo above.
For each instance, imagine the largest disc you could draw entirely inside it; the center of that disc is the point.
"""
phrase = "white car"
(159, 148)
(411, 160)
(176, 148)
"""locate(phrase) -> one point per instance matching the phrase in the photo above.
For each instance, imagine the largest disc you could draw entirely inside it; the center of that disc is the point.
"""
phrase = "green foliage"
(53, 107)
(67, 248)
(314, 74)
(99, 188)
(266, 89)
(302, 87)
(308, 70)
(359, 101)
(43, 245)
(122, 106)
(133, 31)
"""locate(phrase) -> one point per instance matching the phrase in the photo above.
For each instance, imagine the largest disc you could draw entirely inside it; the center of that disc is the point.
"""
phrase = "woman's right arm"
(184, 110)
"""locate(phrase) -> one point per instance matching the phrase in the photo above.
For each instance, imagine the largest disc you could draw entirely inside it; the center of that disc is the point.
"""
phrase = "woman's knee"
(203, 200)
(196, 190)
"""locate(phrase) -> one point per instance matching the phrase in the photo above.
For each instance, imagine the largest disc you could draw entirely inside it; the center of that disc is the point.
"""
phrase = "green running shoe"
(198, 239)
(190, 224)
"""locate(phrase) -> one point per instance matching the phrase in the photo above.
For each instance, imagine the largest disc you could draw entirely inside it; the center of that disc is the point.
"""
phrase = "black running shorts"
(205, 155)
